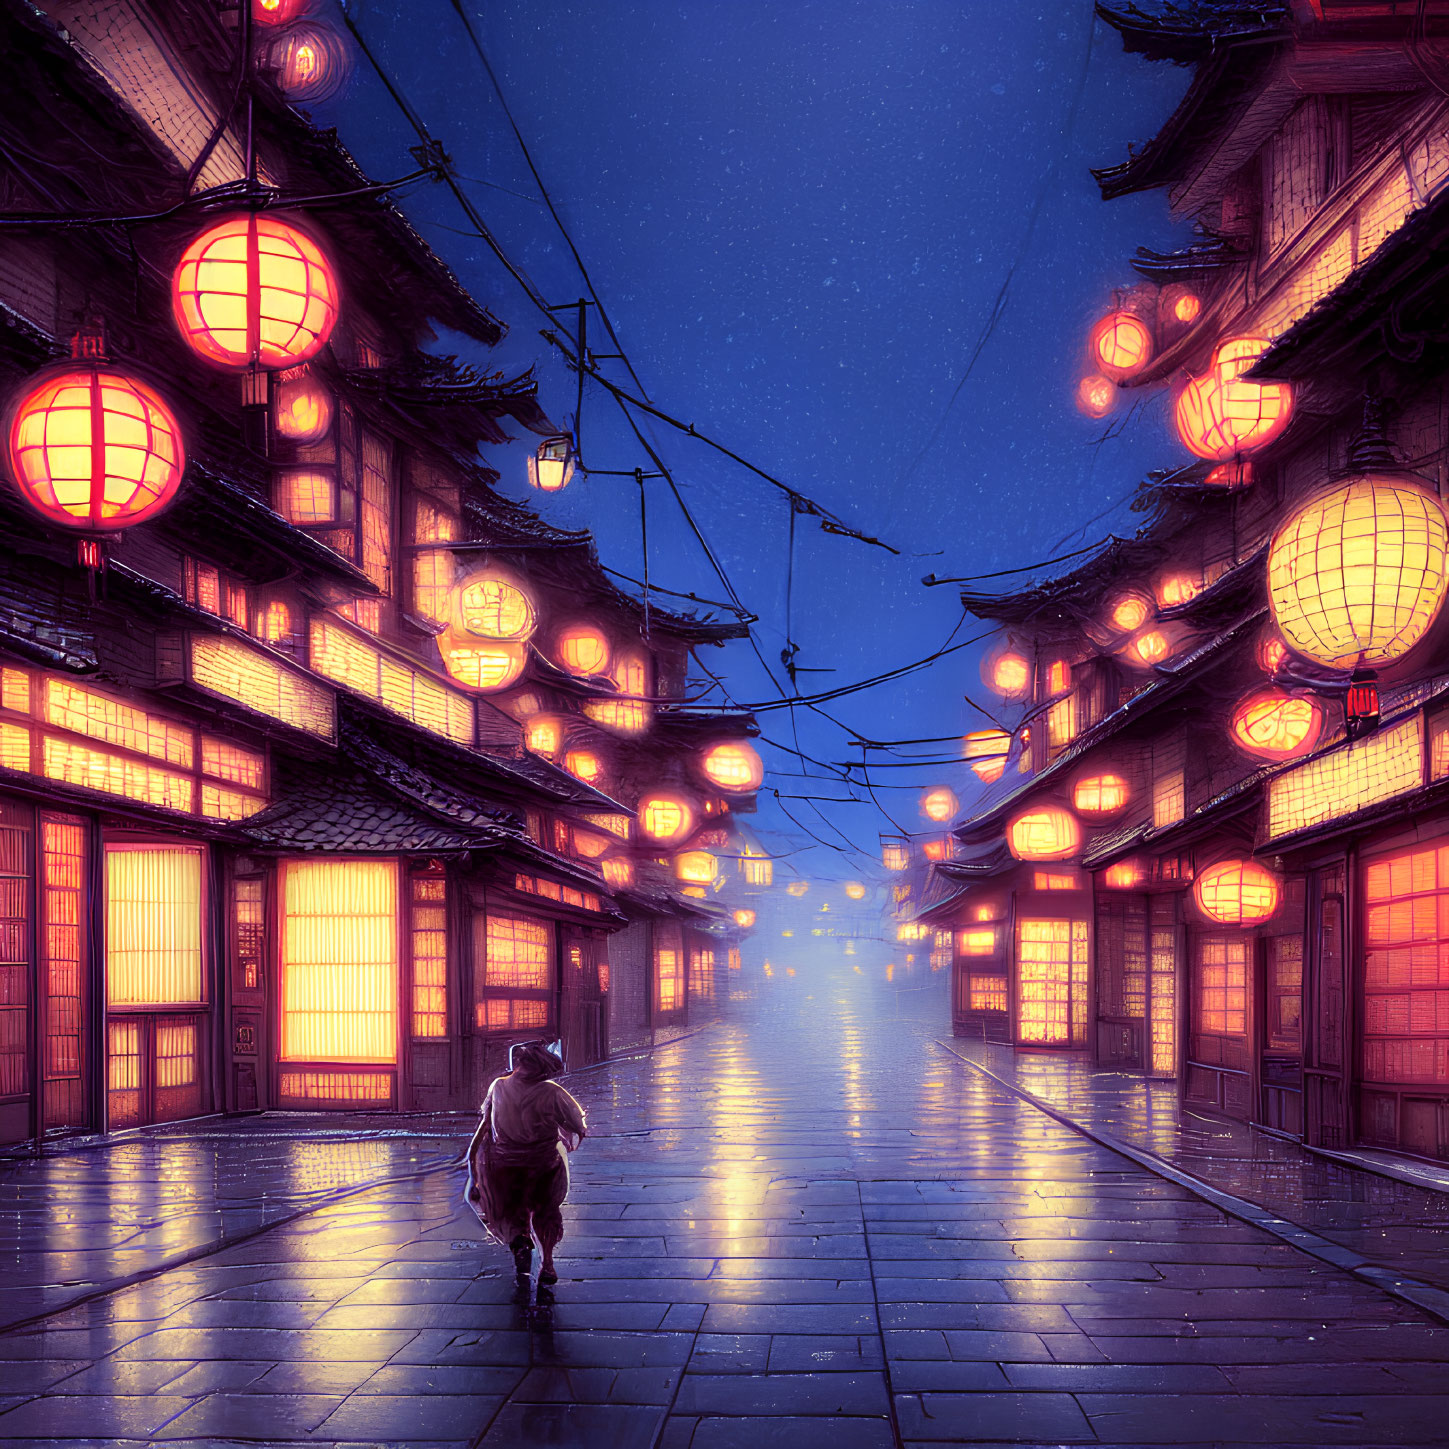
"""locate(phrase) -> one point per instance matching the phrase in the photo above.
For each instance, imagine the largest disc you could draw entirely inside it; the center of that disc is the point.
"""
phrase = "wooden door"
(1325, 1064)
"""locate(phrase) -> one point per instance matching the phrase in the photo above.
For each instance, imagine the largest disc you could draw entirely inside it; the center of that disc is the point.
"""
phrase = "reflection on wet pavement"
(805, 1226)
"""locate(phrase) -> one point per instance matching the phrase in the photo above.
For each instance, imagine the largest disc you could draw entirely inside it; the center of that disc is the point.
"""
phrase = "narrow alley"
(808, 1225)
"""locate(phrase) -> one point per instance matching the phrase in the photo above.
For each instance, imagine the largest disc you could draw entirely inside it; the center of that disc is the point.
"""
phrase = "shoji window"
(701, 974)
(430, 956)
(516, 959)
(668, 968)
(64, 967)
(1052, 976)
(153, 925)
(1222, 985)
(339, 961)
(15, 825)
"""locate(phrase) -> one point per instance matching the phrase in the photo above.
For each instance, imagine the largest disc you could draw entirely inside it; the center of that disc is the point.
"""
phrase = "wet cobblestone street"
(807, 1225)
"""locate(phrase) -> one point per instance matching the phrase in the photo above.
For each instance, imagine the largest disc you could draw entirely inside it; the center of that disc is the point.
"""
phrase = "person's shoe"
(522, 1249)
(546, 1282)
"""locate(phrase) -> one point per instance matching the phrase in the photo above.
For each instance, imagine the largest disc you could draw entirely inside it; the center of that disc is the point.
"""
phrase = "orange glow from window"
(939, 804)
(589, 845)
(735, 766)
(1236, 892)
(854, 890)
(623, 716)
(895, 856)
(744, 919)
(1274, 725)
(618, 871)
(1121, 344)
(255, 291)
(545, 735)
(1047, 880)
(939, 849)
(1130, 612)
(1222, 414)
(153, 925)
(696, 867)
(430, 956)
(1045, 833)
(1149, 647)
(484, 667)
(492, 608)
(582, 649)
(584, 765)
(301, 408)
(1010, 675)
(1175, 589)
(1100, 795)
(94, 448)
(305, 496)
(339, 961)
(980, 942)
(1051, 981)
(665, 818)
(1124, 875)
(1096, 395)
(631, 674)
(797, 888)
(1059, 676)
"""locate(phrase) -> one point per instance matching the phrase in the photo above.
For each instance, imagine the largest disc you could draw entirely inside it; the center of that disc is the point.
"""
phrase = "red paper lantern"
(94, 448)
(255, 292)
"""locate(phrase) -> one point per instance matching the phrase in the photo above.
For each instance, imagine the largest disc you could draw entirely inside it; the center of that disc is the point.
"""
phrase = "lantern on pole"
(93, 448)
(551, 467)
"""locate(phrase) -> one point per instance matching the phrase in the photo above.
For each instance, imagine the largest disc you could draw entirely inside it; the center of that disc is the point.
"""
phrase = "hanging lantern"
(584, 765)
(1175, 589)
(744, 918)
(1361, 704)
(1047, 832)
(255, 292)
(1124, 875)
(545, 735)
(1222, 415)
(1274, 725)
(551, 467)
(1357, 575)
(665, 818)
(1272, 653)
(1009, 675)
(1236, 893)
(797, 888)
(1130, 612)
(623, 716)
(696, 867)
(1096, 395)
(1186, 306)
(93, 448)
(939, 804)
(310, 62)
(582, 649)
(987, 750)
(854, 890)
(279, 12)
(481, 666)
(1121, 344)
(1098, 796)
(1148, 648)
(301, 407)
(491, 608)
(734, 766)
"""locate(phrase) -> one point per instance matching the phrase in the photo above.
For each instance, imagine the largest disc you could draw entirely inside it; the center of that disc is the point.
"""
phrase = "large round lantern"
(1148, 648)
(1096, 395)
(797, 888)
(987, 751)
(1236, 892)
(582, 649)
(1121, 344)
(695, 867)
(1357, 575)
(854, 890)
(1046, 832)
(1130, 611)
(1222, 415)
(481, 664)
(94, 448)
(1008, 674)
(1275, 725)
(255, 291)
(492, 608)
(939, 804)
(665, 819)
(744, 918)
(734, 765)
(1099, 796)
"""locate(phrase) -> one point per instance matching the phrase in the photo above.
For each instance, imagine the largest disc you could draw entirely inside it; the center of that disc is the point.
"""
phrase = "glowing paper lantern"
(939, 804)
(545, 735)
(1357, 575)
(1096, 395)
(854, 890)
(1236, 892)
(278, 12)
(1129, 612)
(479, 665)
(491, 608)
(255, 291)
(301, 407)
(552, 466)
(310, 62)
(1187, 307)
(623, 716)
(987, 751)
(1222, 415)
(1121, 344)
(1009, 675)
(1275, 725)
(744, 918)
(665, 818)
(1100, 795)
(734, 765)
(1272, 654)
(93, 448)
(1047, 832)
(797, 888)
(1149, 647)
(582, 649)
(584, 765)
(1124, 875)
(697, 867)
(1175, 589)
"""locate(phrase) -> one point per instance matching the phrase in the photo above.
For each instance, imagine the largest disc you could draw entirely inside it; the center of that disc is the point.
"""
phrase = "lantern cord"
(800, 825)
(931, 581)
(678, 594)
(243, 70)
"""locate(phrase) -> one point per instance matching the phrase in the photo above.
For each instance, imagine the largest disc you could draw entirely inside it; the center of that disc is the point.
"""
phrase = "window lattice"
(1347, 779)
(1052, 975)
(153, 925)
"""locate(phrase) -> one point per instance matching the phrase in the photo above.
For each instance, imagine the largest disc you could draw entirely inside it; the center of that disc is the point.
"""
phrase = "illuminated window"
(1348, 779)
(433, 585)
(1439, 751)
(430, 956)
(757, 870)
(1162, 965)
(63, 964)
(668, 968)
(1169, 799)
(631, 673)
(274, 624)
(1285, 992)
(1062, 723)
(153, 925)
(1045, 833)
(1100, 794)
(665, 818)
(1052, 977)
(614, 824)
(582, 649)
(251, 678)
(517, 970)
(1222, 985)
(339, 961)
(626, 716)
(14, 947)
(492, 608)
(85, 712)
(987, 993)
(980, 941)
(701, 974)
(618, 871)
(941, 951)
(584, 765)
(339, 654)
(249, 932)
(201, 585)
(1045, 880)
(545, 736)
(1059, 676)
(375, 513)
(343, 1089)
(305, 496)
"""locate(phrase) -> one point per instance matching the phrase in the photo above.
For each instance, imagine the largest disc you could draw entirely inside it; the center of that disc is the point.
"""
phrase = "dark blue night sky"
(799, 214)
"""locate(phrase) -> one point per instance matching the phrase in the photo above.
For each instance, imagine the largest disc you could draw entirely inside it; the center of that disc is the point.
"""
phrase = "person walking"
(518, 1170)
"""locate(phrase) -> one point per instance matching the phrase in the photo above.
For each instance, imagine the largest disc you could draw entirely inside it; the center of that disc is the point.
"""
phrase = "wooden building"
(328, 781)
(1217, 849)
